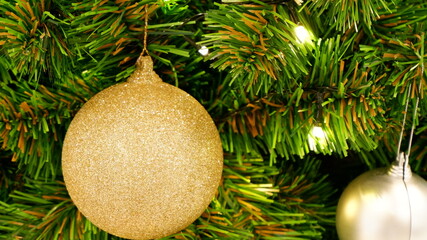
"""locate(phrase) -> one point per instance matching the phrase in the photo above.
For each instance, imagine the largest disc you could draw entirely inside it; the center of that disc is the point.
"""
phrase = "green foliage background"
(264, 88)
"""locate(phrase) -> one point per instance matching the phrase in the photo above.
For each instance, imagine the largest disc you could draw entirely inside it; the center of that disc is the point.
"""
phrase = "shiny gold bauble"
(142, 159)
(384, 204)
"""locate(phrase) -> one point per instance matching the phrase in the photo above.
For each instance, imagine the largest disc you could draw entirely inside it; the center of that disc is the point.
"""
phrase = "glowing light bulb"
(204, 51)
(302, 34)
(317, 139)
(318, 132)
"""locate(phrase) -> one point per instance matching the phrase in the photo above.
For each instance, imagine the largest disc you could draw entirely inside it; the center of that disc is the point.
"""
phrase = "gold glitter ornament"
(142, 159)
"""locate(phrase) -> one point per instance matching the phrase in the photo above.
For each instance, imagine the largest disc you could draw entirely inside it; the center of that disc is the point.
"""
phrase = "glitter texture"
(142, 159)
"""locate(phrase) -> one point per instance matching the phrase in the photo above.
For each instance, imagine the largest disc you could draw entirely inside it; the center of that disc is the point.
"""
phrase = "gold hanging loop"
(144, 50)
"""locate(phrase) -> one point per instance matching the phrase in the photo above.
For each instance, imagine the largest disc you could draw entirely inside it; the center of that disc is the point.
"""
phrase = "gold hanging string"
(144, 72)
(144, 50)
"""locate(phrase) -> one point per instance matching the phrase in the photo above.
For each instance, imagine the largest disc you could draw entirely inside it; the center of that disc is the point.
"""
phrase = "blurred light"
(302, 34)
(204, 51)
(317, 139)
(318, 132)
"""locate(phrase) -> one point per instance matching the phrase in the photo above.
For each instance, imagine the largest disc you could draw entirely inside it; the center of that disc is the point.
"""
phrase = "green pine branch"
(43, 210)
(259, 201)
(34, 119)
(257, 45)
(33, 37)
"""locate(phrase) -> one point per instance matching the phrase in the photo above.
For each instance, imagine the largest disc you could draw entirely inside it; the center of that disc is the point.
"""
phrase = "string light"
(203, 50)
(302, 34)
(317, 138)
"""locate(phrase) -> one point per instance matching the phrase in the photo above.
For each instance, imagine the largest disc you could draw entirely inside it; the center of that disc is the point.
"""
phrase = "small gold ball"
(142, 160)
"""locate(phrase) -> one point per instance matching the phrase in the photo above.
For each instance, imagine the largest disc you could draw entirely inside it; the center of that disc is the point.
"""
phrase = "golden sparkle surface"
(142, 159)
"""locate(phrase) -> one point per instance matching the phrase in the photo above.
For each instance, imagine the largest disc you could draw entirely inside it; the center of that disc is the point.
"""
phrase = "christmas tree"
(275, 70)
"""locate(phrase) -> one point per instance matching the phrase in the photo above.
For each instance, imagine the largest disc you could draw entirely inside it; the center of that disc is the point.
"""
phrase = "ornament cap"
(400, 167)
(144, 72)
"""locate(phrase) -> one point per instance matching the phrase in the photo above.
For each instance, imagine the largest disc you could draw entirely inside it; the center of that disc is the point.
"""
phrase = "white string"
(403, 127)
(415, 111)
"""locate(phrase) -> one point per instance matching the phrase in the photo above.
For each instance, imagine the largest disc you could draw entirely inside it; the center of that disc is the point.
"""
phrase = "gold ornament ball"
(142, 159)
(384, 204)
